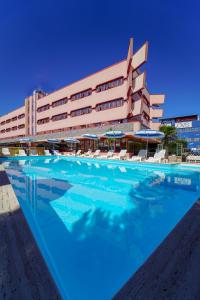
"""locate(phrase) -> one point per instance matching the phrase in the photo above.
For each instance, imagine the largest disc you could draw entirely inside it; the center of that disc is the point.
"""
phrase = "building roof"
(181, 117)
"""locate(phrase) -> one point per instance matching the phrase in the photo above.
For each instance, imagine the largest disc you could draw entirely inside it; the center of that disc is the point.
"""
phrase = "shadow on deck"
(23, 272)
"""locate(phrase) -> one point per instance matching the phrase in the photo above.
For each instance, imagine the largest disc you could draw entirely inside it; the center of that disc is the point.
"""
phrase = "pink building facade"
(115, 97)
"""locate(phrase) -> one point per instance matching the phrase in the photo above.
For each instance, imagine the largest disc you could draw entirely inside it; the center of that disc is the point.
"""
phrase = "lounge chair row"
(142, 155)
(158, 156)
(6, 152)
(21, 152)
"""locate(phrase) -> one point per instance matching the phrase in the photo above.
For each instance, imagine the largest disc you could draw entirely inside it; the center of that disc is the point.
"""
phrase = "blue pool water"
(96, 222)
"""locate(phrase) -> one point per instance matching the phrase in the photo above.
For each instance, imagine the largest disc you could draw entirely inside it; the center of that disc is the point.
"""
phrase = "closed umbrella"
(149, 134)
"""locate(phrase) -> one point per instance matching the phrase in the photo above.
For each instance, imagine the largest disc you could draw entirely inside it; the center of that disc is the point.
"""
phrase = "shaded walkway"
(23, 272)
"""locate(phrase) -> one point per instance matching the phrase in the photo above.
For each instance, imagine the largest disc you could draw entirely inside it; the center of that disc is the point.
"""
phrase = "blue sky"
(48, 44)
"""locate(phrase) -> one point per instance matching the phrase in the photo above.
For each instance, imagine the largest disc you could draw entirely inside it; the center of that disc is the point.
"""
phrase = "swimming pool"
(96, 222)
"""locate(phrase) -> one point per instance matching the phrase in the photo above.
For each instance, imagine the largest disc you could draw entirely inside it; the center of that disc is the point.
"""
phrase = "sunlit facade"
(115, 97)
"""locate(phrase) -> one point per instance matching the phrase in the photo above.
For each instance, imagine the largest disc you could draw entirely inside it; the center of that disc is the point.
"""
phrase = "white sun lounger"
(5, 152)
(95, 154)
(56, 152)
(21, 153)
(33, 152)
(122, 155)
(158, 156)
(47, 153)
(87, 153)
(142, 154)
(78, 153)
(108, 155)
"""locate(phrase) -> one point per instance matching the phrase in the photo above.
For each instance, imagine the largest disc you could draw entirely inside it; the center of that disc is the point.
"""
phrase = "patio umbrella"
(149, 134)
(114, 134)
(72, 140)
(26, 141)
(53, 141)
(90, 136)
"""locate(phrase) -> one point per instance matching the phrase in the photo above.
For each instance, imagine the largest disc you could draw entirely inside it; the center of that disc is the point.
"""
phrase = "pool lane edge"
(172, 271)
(23, 271)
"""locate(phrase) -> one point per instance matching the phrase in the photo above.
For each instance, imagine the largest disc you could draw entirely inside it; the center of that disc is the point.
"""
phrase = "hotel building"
(115, 97)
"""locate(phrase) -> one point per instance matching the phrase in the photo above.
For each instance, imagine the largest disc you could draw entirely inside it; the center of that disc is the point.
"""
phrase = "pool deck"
(172, 272)
(23, 272)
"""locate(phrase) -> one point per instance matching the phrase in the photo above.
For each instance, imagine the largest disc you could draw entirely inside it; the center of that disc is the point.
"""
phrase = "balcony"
(157, 99)
(155, 126)
(156, 113)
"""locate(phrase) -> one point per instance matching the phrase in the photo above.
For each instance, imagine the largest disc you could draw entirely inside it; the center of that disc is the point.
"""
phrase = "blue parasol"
(90, 136)
(115, 134)
(149, 134)
(72, 140)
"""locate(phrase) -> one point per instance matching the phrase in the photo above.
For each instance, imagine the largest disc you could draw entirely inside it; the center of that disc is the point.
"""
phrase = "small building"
(188, 128)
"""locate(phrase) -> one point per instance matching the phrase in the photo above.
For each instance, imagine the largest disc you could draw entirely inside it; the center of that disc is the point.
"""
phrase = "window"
(60, 117)
(3, 130)
(43, 108)
(8, 121)
(21, 116)
(14, 119)
(3, 123)
(82, 111)
(59, 102)
(145, 116)
(110, 84)
(196, 139)
(146, 102)
(43, 121)
(8, 129)
(110, 104)
(189, 129)
(14, 128)
(21, 126)
(82, 94)
(136, 97)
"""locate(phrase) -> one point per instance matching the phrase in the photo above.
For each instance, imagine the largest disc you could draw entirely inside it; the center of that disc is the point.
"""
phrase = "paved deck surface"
(23, 272)
(173, 270)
